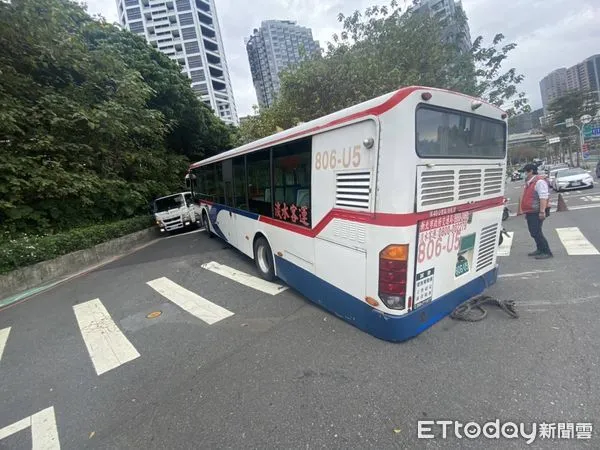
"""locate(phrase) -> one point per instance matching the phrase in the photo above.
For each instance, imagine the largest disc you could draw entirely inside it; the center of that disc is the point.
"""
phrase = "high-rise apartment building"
(273, 47)
(446, 11)
(553, 86)
(188, 32)
(585, 76)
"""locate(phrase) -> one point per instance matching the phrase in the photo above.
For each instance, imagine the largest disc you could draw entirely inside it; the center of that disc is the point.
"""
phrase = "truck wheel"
(263, 258)
(206, 224)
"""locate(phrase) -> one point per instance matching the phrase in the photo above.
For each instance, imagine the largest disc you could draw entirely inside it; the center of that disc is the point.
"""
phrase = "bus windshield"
(167, 203)
(443, 133)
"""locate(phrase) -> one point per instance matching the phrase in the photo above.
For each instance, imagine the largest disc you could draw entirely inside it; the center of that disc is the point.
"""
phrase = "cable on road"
(465, 311)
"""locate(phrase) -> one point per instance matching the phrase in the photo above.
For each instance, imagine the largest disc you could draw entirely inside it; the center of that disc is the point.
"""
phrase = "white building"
(188, 32)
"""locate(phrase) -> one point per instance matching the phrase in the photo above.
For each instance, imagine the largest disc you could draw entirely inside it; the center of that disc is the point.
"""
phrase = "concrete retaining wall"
(47, 271)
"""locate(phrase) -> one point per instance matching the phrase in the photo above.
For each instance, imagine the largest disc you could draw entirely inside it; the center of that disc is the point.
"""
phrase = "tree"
(192, 128)
(386, 48)
(93, 123)
(572, 105)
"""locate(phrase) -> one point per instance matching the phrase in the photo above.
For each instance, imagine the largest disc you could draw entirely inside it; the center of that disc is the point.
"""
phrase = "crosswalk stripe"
(575, 242)
(106, 344)
(3, 338)
(198, 306)
(504, 249)
(243, 278)
(44, 434)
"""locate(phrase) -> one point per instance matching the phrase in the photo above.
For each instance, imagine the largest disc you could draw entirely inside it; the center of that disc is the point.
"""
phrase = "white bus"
(386, 214)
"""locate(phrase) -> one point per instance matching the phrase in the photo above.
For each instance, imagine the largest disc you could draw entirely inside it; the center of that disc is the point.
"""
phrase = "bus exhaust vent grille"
(353, 190)
(469, 183)
(437, 187)
(493, 180)
(487, 246)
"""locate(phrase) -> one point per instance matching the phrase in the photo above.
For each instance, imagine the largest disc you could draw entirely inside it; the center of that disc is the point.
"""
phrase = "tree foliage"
(573, 105)
(383, 49)
(93, 122)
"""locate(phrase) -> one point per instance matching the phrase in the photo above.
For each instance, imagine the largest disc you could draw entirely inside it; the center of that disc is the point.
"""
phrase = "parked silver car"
(575, 178)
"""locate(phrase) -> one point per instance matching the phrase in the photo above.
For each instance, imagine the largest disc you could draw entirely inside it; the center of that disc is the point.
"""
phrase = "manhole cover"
(153, 314)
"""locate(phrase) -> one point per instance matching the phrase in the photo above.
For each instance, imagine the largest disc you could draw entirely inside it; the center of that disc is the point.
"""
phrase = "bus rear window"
(443, 133)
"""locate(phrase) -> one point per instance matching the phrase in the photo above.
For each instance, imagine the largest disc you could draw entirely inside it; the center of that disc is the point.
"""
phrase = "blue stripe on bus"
(381, 325)
(215, 208)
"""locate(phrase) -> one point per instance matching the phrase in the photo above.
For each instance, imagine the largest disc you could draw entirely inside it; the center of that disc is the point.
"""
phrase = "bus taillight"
(393, 266)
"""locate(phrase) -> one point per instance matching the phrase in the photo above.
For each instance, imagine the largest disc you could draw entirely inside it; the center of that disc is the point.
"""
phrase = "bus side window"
(291, 166)
(259, 182)
(239, 183)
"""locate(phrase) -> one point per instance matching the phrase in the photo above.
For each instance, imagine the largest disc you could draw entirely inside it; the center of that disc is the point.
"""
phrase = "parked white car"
(575, 178)
(175, 211)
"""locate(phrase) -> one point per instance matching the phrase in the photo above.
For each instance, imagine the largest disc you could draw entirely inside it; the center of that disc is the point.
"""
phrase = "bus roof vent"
(353, 189)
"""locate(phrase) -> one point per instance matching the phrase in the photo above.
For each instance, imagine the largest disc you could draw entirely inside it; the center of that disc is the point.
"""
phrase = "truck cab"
(175, 211)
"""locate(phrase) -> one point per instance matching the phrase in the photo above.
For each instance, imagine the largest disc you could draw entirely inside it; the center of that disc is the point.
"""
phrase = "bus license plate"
(462, 266)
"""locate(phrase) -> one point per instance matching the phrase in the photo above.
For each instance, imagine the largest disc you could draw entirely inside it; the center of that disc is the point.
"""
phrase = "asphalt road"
(282, 373)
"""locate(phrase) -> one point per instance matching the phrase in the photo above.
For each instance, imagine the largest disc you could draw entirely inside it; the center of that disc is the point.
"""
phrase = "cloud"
(549, 33)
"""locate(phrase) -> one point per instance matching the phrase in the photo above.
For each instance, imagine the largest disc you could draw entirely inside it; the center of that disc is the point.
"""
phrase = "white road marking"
(575, 242)
(520, 274)
(3, 338)
(15, 427)
(201, 230)
(44, 434)
(192, 303)
(504, 249)
(107, 345)
(571, 208)
(243, 278)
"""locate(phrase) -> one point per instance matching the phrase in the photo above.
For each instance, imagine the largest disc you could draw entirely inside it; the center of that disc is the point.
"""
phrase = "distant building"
(553, 86)
(446, 12)
(187, 31)
(524, 123)
(584, 76)
(273, 47)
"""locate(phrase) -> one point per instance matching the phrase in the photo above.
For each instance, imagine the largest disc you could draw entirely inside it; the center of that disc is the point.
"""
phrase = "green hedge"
(27, 250)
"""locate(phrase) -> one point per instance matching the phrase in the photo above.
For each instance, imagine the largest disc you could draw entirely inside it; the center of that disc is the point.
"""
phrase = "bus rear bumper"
(381, 325)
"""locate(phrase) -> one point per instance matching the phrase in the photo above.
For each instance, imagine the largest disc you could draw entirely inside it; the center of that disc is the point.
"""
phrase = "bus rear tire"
(263, 258)
(206, 225)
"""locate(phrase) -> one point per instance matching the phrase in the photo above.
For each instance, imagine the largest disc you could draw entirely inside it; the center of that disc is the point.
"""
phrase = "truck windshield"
(166, 203)
(443, 133)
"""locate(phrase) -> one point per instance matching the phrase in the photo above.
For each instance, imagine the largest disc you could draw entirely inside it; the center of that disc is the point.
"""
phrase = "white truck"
(175, 211)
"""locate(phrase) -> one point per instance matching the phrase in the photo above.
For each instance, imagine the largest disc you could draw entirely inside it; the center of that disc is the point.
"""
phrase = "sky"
(549, 33)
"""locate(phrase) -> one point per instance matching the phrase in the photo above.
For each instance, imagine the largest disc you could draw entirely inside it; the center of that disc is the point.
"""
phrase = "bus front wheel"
(263, 258)
(206, 224)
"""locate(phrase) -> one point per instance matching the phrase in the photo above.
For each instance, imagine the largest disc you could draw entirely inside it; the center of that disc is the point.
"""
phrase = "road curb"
(27, 281)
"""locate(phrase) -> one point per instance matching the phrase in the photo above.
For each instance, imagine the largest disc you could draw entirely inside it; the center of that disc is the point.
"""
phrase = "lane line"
(520, 274)
(201, 230)
(3, 338)
(241, 277)
(44, 433)
(575, 242)
(106, 344)
(15, 427)
(504, 249)
(571, 208)
(194, 304)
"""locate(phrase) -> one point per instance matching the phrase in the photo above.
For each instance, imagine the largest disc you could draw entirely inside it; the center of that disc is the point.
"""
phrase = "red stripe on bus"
(380, 219)
(394, 100)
